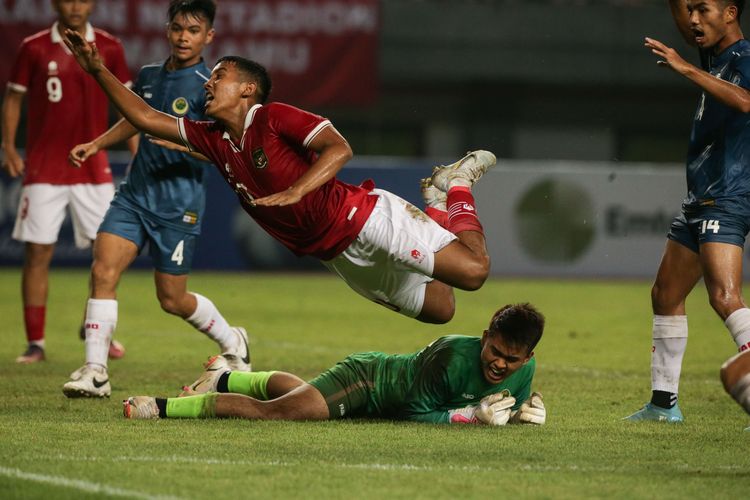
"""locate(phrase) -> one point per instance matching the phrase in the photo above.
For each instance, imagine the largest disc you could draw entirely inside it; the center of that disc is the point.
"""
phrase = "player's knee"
(103, 276)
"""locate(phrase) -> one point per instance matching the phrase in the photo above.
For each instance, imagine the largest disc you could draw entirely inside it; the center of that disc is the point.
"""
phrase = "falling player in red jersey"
(282, 161)
(58, 91)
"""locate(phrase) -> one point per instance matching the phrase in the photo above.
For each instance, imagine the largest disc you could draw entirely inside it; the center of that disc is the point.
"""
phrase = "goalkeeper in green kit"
(455, 379)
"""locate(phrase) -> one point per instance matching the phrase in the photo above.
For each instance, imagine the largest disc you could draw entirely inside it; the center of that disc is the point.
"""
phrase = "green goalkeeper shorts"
(347, 387)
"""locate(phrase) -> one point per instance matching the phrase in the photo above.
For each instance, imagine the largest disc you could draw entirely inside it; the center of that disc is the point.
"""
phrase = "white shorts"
(392, 259)
(41, 211)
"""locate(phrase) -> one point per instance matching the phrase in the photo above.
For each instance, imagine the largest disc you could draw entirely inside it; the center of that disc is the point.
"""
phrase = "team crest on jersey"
(180, 106)
(259, 158)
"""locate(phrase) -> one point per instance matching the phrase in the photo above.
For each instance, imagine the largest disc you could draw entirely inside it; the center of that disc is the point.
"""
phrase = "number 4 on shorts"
(177, 254)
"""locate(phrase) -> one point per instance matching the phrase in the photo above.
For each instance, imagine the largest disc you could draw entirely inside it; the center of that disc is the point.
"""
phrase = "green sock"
(200, 406)
(251, 384)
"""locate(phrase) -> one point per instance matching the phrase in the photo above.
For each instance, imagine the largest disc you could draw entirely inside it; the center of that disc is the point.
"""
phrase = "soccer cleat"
(33, 354)
(215, 367)
(656, 414)
(89, 381)
(465, 172)
(140, 407)
(432, 196)
(238, 357)
(116, 350)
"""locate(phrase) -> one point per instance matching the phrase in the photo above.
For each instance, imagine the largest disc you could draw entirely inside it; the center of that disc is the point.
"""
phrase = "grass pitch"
(593, 369)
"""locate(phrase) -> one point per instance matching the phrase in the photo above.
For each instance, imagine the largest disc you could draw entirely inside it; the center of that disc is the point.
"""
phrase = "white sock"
(209, 320)
(738, 324)
(741, 392)
(38, 343)
(101, 320)
(670, 340)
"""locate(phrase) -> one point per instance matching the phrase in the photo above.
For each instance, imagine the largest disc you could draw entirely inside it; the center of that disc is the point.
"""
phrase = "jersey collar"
(248, 121)
(56, 38)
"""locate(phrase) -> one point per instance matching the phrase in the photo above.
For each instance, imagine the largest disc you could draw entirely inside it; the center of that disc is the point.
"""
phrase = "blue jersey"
(718, 161)
(165, 186)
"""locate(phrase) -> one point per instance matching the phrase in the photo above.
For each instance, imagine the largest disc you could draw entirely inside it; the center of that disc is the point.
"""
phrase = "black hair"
(198, 8)
(251, 70)
(520, 325)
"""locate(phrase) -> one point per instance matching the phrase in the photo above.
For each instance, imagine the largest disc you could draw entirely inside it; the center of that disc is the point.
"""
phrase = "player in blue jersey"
(160, 202)
(706, 240)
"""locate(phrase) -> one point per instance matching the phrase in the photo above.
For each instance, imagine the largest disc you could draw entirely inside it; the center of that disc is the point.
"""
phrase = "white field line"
(78, 484)
(176, 459)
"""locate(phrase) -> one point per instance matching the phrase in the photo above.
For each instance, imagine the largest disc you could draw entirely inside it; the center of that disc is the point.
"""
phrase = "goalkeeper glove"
(532, 411)
(494, 409)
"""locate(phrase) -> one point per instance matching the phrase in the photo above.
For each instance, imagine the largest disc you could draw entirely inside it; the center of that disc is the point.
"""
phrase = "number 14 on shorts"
(710, 225)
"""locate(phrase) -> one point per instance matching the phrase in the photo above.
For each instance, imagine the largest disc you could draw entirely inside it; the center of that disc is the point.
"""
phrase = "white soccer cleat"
(432, 196)
(141, 407)
(238, 357)
(465, 172)
(89, 381)
(215, 368)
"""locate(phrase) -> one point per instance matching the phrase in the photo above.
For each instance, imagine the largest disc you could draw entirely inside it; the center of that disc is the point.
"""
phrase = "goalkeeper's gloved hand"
(532, 411)
(494, 409)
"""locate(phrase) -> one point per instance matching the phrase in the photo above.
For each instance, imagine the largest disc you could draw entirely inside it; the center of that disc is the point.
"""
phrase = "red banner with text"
(319, 52)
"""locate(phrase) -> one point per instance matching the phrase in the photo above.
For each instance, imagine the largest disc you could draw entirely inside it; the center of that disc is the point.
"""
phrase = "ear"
(528, 358)
(210, 36)
(249, 89)
(730, 14)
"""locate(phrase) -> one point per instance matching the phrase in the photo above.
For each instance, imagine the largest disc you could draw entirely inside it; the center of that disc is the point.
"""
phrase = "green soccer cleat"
(656, 414)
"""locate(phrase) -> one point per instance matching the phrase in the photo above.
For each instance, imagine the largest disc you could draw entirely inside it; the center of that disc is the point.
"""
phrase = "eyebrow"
(501, 354)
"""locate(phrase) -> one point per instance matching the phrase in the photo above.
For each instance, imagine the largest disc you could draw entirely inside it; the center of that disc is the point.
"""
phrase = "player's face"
(73, 14)
(710, 20)
(187, 35)
(225, 90)
(500, 359)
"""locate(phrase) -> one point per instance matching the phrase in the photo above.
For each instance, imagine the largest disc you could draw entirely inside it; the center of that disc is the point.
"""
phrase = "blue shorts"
(699, 225)
(171, 250)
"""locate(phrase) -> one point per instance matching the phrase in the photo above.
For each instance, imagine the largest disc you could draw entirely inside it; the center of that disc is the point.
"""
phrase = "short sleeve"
(196, 136)
(20, 73)
(297, 125)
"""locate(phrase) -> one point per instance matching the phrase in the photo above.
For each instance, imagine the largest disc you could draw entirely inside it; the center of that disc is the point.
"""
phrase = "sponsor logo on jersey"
(259, 158)
(467, 396)
(416, 254)
(190, 217)
(180, 106)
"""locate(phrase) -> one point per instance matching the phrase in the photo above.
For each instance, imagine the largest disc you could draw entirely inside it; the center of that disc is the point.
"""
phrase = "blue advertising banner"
(230, 238)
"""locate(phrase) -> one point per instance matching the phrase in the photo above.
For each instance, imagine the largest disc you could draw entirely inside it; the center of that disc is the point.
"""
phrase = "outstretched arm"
(333, 151)
(681, 17)
(133, 108)
(728, 93)
(120, 131)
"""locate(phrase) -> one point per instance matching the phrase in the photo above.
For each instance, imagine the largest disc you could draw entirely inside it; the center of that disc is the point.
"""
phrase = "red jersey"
(66, 107)
(271, 156)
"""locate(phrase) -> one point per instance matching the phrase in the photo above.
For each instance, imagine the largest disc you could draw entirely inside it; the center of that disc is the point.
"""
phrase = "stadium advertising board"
(541, 218)
(319, 52)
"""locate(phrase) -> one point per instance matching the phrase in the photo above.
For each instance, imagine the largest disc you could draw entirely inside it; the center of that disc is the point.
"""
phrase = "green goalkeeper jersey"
(423, 386)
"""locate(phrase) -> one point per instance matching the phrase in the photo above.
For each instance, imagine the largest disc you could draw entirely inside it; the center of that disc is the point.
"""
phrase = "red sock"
(462, 215)
(33, 317)
(439, 216)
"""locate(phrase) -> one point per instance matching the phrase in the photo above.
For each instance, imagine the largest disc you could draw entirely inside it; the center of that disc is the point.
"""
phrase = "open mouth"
(699, 35)
(495, 373)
